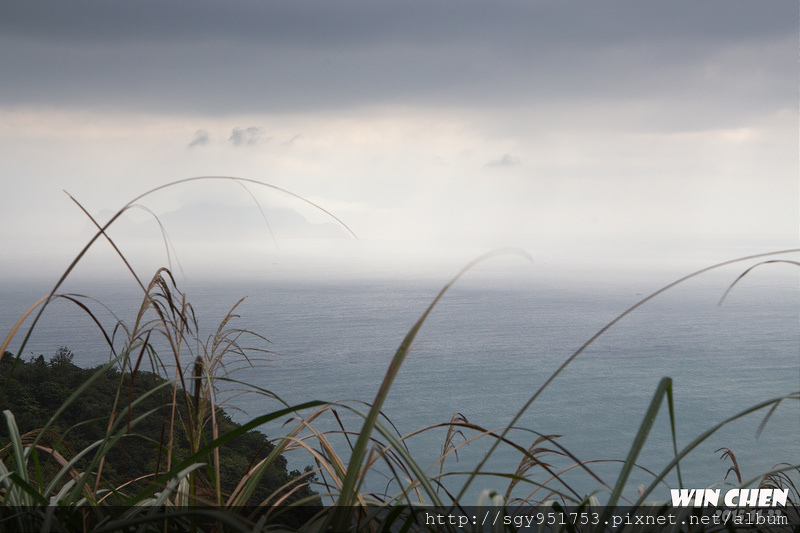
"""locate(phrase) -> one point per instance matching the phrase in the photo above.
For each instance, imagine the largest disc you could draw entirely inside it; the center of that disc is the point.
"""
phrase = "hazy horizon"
(645, 137)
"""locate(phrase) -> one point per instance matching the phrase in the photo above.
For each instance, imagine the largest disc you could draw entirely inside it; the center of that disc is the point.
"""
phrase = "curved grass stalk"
(663, 390)
(111, 436)
(176, 323)
(21, 493)
(101, 232)
(172, 317)
(705, 435)
(178, 519)
(110, 440)
(19, 322)
(421, 477)
(326, 456)
(340, 517)
(164, 236)
(603, 330)
(173, 484)
(581, 464)
(117, 490)
(68, 467)
(387, 454)
(208, 448)
(527, 454)
(746, 272)
(294, 484)
(449, 438)
(766, 475)
(253, 389)
(245, 489)
(355, 469)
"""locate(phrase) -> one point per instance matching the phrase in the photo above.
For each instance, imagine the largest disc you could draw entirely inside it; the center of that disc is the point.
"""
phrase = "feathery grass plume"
(727, 453)
(530, 460)
(780, 479)
(166, 314)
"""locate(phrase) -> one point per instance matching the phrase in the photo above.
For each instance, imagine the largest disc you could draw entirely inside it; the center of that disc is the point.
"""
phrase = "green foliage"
(37, 389)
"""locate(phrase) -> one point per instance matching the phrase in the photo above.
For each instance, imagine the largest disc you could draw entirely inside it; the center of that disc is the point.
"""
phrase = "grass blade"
(347, 497)
(602, 332)
(664, 388)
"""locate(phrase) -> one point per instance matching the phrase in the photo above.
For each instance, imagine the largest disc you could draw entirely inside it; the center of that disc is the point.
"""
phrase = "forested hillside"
(34, 389)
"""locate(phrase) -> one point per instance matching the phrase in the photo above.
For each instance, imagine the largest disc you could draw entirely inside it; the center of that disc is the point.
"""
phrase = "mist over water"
(489, 345)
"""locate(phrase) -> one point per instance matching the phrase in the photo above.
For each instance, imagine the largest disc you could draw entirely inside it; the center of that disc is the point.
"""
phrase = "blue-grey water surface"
(487, 347)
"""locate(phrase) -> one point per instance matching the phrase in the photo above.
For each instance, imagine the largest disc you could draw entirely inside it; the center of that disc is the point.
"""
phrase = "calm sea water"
(489, 346)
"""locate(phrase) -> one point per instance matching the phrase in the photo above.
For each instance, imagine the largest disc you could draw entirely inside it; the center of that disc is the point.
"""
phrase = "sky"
(637, 133)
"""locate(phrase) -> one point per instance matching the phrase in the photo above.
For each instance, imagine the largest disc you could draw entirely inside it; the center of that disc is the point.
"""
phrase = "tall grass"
(187, 494)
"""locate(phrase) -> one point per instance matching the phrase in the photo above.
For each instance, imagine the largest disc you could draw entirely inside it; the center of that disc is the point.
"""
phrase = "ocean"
(485, 349)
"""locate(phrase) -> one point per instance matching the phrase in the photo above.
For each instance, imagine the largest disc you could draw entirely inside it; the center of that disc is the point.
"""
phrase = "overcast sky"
(615, 131)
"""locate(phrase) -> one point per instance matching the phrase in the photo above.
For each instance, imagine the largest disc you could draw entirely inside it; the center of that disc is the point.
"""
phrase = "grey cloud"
(201, 138)
(246, 136)
(360, 22)
(297, 56)
(507, 160)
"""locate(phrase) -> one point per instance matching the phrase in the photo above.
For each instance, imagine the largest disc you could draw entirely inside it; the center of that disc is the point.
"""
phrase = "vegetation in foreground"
(159, 454)
(37, 388)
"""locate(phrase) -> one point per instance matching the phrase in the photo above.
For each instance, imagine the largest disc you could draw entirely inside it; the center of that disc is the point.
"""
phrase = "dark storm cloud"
(219, 57)
(365, 22)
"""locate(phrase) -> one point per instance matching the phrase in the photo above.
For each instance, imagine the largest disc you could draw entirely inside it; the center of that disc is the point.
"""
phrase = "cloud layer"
(254, 57)
(545, 125)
